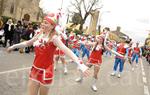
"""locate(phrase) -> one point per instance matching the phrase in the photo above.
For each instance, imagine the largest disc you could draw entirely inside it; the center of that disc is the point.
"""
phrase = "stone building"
(18, 9)
(118, 36)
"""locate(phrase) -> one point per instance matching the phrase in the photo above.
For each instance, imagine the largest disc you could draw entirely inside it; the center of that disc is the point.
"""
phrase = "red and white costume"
(42, 69)
(96, 56)
(136, 50)
(121, 49)
(76, 44)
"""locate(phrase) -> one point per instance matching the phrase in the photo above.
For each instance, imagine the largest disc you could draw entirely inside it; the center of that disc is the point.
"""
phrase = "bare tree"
(84, 8)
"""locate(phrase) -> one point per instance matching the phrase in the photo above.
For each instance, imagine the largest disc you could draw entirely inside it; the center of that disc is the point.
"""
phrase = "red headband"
(51, 18)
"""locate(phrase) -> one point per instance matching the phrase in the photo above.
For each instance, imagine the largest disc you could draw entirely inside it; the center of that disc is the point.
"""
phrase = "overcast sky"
(132, 15)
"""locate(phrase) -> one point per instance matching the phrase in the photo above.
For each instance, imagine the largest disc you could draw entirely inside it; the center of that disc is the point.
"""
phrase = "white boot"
(65, 70)
(136, 65)
(119, 75)
(132, 69)
(80, 79)
(94, 88)
(113, 73)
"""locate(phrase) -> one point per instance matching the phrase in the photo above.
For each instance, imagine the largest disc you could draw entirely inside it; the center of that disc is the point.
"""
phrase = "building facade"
(18, 9)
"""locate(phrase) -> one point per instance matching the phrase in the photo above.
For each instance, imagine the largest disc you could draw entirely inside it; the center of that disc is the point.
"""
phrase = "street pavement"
(15, 67)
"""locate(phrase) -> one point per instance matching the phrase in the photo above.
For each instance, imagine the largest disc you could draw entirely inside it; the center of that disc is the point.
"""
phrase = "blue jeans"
(82, 47)
(75, 51)
(135, 57)
(86, 51)
(120, 62)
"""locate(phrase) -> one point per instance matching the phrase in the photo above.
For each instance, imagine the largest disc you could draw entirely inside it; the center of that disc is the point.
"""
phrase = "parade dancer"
(76, 46)
(129, 54)
(95, 58)
(107, 52)
(137, 52)
(45, 43)
(82, 46)
(86, 48)
(120, 60)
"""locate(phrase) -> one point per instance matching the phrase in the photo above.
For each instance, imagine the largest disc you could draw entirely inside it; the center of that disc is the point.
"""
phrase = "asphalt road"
(15, 67)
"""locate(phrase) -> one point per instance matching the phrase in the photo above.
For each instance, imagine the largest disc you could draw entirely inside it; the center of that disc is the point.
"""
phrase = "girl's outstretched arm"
(56, 40)
(22, 44)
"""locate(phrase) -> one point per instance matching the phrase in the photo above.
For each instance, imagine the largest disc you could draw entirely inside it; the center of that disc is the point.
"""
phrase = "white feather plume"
(50, 5)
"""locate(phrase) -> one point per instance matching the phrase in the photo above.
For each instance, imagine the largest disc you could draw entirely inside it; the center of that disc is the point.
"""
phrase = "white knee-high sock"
(94, 81)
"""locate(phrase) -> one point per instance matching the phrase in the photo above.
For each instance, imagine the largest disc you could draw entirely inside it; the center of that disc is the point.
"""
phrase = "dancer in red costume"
(137, 52)
(119, 60)
(95, 58)
(45, 43)
(130, 53)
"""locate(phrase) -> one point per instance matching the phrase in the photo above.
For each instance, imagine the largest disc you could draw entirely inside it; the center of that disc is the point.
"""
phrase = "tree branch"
(97, 8)
(84, 6)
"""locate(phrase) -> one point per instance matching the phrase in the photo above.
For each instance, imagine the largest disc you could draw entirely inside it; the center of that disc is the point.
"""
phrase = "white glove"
(64, 36)
(58, 29)
(82, 67)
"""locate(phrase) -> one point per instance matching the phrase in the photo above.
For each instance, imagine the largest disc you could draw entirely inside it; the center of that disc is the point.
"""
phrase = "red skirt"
(95, 57)
(44, 77)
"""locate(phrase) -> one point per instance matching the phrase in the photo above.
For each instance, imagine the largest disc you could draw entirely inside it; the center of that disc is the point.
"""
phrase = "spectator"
(9, 30)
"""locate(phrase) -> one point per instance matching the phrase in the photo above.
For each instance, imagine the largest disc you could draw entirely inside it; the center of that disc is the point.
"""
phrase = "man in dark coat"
(9, 30)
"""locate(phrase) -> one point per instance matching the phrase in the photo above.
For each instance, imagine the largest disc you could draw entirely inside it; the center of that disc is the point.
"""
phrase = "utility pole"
(100, 16)
(99, 20)
(61, 4)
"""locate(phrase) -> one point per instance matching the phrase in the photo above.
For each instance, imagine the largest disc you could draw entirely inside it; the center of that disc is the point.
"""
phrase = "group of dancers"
(49, 45)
